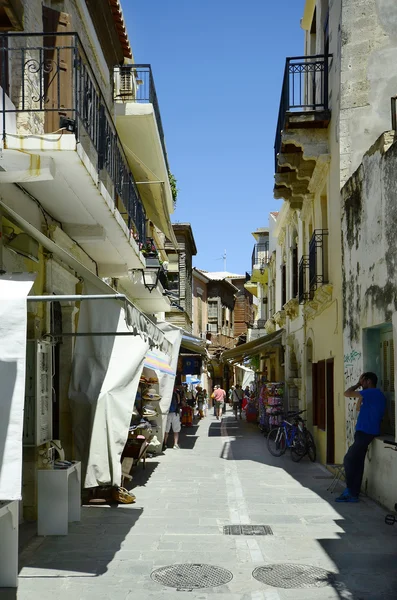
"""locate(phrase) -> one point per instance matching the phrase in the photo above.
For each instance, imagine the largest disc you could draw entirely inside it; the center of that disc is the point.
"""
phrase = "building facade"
(77, 210)
(334, 105)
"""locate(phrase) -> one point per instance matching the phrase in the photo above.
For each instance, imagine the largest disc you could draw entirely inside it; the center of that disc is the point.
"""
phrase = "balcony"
(139, 125)
(259, 261)
(61, 144)
(301, 132)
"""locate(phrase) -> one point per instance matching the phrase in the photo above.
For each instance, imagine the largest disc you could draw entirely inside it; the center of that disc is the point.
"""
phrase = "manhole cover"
(191, 576)
(247, 530)
(293, 576)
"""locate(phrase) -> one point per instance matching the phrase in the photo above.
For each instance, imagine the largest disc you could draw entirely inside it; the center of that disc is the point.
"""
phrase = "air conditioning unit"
(37, 428)
(125, 84)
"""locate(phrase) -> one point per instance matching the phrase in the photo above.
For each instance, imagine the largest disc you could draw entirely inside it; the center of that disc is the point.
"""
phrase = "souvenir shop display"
(271, 398)
(251, 409)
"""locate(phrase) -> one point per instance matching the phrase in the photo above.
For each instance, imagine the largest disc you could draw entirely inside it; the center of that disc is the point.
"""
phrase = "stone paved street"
(222, 475)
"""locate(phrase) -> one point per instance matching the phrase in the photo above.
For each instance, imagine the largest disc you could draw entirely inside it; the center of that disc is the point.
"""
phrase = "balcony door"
(57, 69)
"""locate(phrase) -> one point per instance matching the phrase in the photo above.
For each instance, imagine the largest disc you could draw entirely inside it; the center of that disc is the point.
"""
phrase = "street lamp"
(152, 273)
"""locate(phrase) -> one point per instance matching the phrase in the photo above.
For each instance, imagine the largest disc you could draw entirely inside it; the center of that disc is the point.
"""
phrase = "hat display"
(151, 394)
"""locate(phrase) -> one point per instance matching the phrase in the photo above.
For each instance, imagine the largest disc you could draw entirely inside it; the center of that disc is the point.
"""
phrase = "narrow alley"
(222, 475)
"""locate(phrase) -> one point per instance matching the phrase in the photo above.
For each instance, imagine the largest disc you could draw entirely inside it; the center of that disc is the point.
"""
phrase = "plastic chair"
(339, 474)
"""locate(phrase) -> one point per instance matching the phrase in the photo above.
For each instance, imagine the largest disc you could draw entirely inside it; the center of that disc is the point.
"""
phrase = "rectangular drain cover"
(247, 530)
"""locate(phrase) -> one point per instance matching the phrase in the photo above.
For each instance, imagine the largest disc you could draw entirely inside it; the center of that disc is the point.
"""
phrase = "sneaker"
(176, 447)
(347, 497)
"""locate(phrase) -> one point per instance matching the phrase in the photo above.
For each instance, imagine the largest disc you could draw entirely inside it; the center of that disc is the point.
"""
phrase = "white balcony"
(138, 123)
(61, 145)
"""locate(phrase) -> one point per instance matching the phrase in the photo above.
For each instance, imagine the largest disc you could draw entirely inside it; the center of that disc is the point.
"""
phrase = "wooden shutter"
(4, 71)
(58, 81)
(320, 398)
(314, 392)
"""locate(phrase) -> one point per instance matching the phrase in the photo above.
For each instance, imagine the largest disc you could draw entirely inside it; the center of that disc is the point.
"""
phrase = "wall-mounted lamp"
(151, 274)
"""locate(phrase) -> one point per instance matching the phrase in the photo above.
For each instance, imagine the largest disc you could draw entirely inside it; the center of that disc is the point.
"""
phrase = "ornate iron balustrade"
(260, 254)
(318, 259)
(305, 88)
(303, 287)
(52, 87)
(135, 83)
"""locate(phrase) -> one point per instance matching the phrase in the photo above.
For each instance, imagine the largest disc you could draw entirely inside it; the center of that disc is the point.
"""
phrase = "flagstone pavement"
(222, 475)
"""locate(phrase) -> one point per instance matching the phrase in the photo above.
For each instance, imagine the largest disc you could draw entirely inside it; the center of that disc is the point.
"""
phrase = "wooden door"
(58, 69)
(386, 380)
(320, 400)
(330, 421)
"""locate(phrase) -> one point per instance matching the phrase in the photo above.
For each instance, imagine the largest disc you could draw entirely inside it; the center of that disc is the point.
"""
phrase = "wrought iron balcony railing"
(318, 259)
(305, 88)
(135, 83)
(260, 255)
(52, 87)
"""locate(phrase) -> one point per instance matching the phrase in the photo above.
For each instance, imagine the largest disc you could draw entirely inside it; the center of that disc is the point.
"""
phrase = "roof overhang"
(308, 13)
(252, 348)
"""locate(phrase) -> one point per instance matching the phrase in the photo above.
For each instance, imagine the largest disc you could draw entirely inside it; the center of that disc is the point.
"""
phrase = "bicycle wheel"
(298, 447)
(276, 441)
(310, 446)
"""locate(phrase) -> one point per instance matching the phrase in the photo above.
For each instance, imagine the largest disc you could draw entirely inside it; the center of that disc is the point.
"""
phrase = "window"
(283, 285)
(213, 309)
(295, 275)
(173, 282)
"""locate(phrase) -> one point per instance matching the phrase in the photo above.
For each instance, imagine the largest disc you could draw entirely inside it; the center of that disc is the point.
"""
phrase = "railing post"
(326, 68)
(286, 85)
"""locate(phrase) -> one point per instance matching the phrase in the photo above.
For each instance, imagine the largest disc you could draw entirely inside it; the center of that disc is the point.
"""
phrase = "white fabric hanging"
(14, 288)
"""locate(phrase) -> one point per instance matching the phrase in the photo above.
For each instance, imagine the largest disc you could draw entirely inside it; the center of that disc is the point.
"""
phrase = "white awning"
(14, 288)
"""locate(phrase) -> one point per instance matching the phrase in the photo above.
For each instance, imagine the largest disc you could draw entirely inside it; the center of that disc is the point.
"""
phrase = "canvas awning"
(194, 344)
(254, 347)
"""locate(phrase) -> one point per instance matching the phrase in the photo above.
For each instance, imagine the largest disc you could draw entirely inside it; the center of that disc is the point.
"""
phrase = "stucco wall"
(369, 267)
(368, 76)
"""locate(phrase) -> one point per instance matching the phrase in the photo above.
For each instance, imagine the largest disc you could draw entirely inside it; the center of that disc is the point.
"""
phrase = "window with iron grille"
(303, 287)
(318, 259)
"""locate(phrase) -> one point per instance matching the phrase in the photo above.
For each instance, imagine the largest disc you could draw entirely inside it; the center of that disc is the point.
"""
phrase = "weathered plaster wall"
(369, 270)
(368, 76)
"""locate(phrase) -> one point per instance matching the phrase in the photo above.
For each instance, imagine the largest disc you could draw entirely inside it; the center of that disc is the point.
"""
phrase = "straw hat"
(151, 394)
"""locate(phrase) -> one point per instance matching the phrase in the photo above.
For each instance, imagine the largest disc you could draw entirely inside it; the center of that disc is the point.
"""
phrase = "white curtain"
(14, 289)
(105, 378)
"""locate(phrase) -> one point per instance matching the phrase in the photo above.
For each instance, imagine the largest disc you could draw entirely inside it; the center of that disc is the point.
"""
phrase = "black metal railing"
(305, 88)
(318, 259)
(303, 287)
(260, 255)
(53, 89)
(135, 83)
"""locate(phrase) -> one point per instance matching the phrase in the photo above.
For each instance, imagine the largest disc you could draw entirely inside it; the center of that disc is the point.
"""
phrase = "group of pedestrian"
(235, 397)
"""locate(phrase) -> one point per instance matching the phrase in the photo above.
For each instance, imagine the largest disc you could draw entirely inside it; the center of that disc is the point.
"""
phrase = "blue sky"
(218, 67)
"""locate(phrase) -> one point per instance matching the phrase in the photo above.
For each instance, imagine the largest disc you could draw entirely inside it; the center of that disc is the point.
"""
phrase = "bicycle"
(391, 519)
(311, 450)
(287, 435)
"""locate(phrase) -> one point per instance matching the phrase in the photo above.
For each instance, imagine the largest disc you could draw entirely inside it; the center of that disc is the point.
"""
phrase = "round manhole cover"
(293, 576)
(191, 576)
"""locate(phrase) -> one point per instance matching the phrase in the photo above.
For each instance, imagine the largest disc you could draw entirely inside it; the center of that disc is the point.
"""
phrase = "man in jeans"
(237, 398)
(372, 404)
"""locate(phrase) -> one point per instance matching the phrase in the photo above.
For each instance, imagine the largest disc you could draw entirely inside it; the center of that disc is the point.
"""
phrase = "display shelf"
(59, 501)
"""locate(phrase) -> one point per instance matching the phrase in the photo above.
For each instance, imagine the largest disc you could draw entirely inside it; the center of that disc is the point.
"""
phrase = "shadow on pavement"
(354, 536)
(88, 548)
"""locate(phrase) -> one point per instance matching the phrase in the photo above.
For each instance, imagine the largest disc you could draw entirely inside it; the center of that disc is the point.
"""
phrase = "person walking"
(173, 420)
(200, 398)
(371, 404)
(237, 398)
(219, 398)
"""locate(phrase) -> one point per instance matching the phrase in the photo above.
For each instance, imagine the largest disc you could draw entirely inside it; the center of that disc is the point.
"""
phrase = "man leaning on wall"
(371, 405)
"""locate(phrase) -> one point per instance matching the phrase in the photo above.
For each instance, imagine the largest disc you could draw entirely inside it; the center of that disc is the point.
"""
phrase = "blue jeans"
(354, 461)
